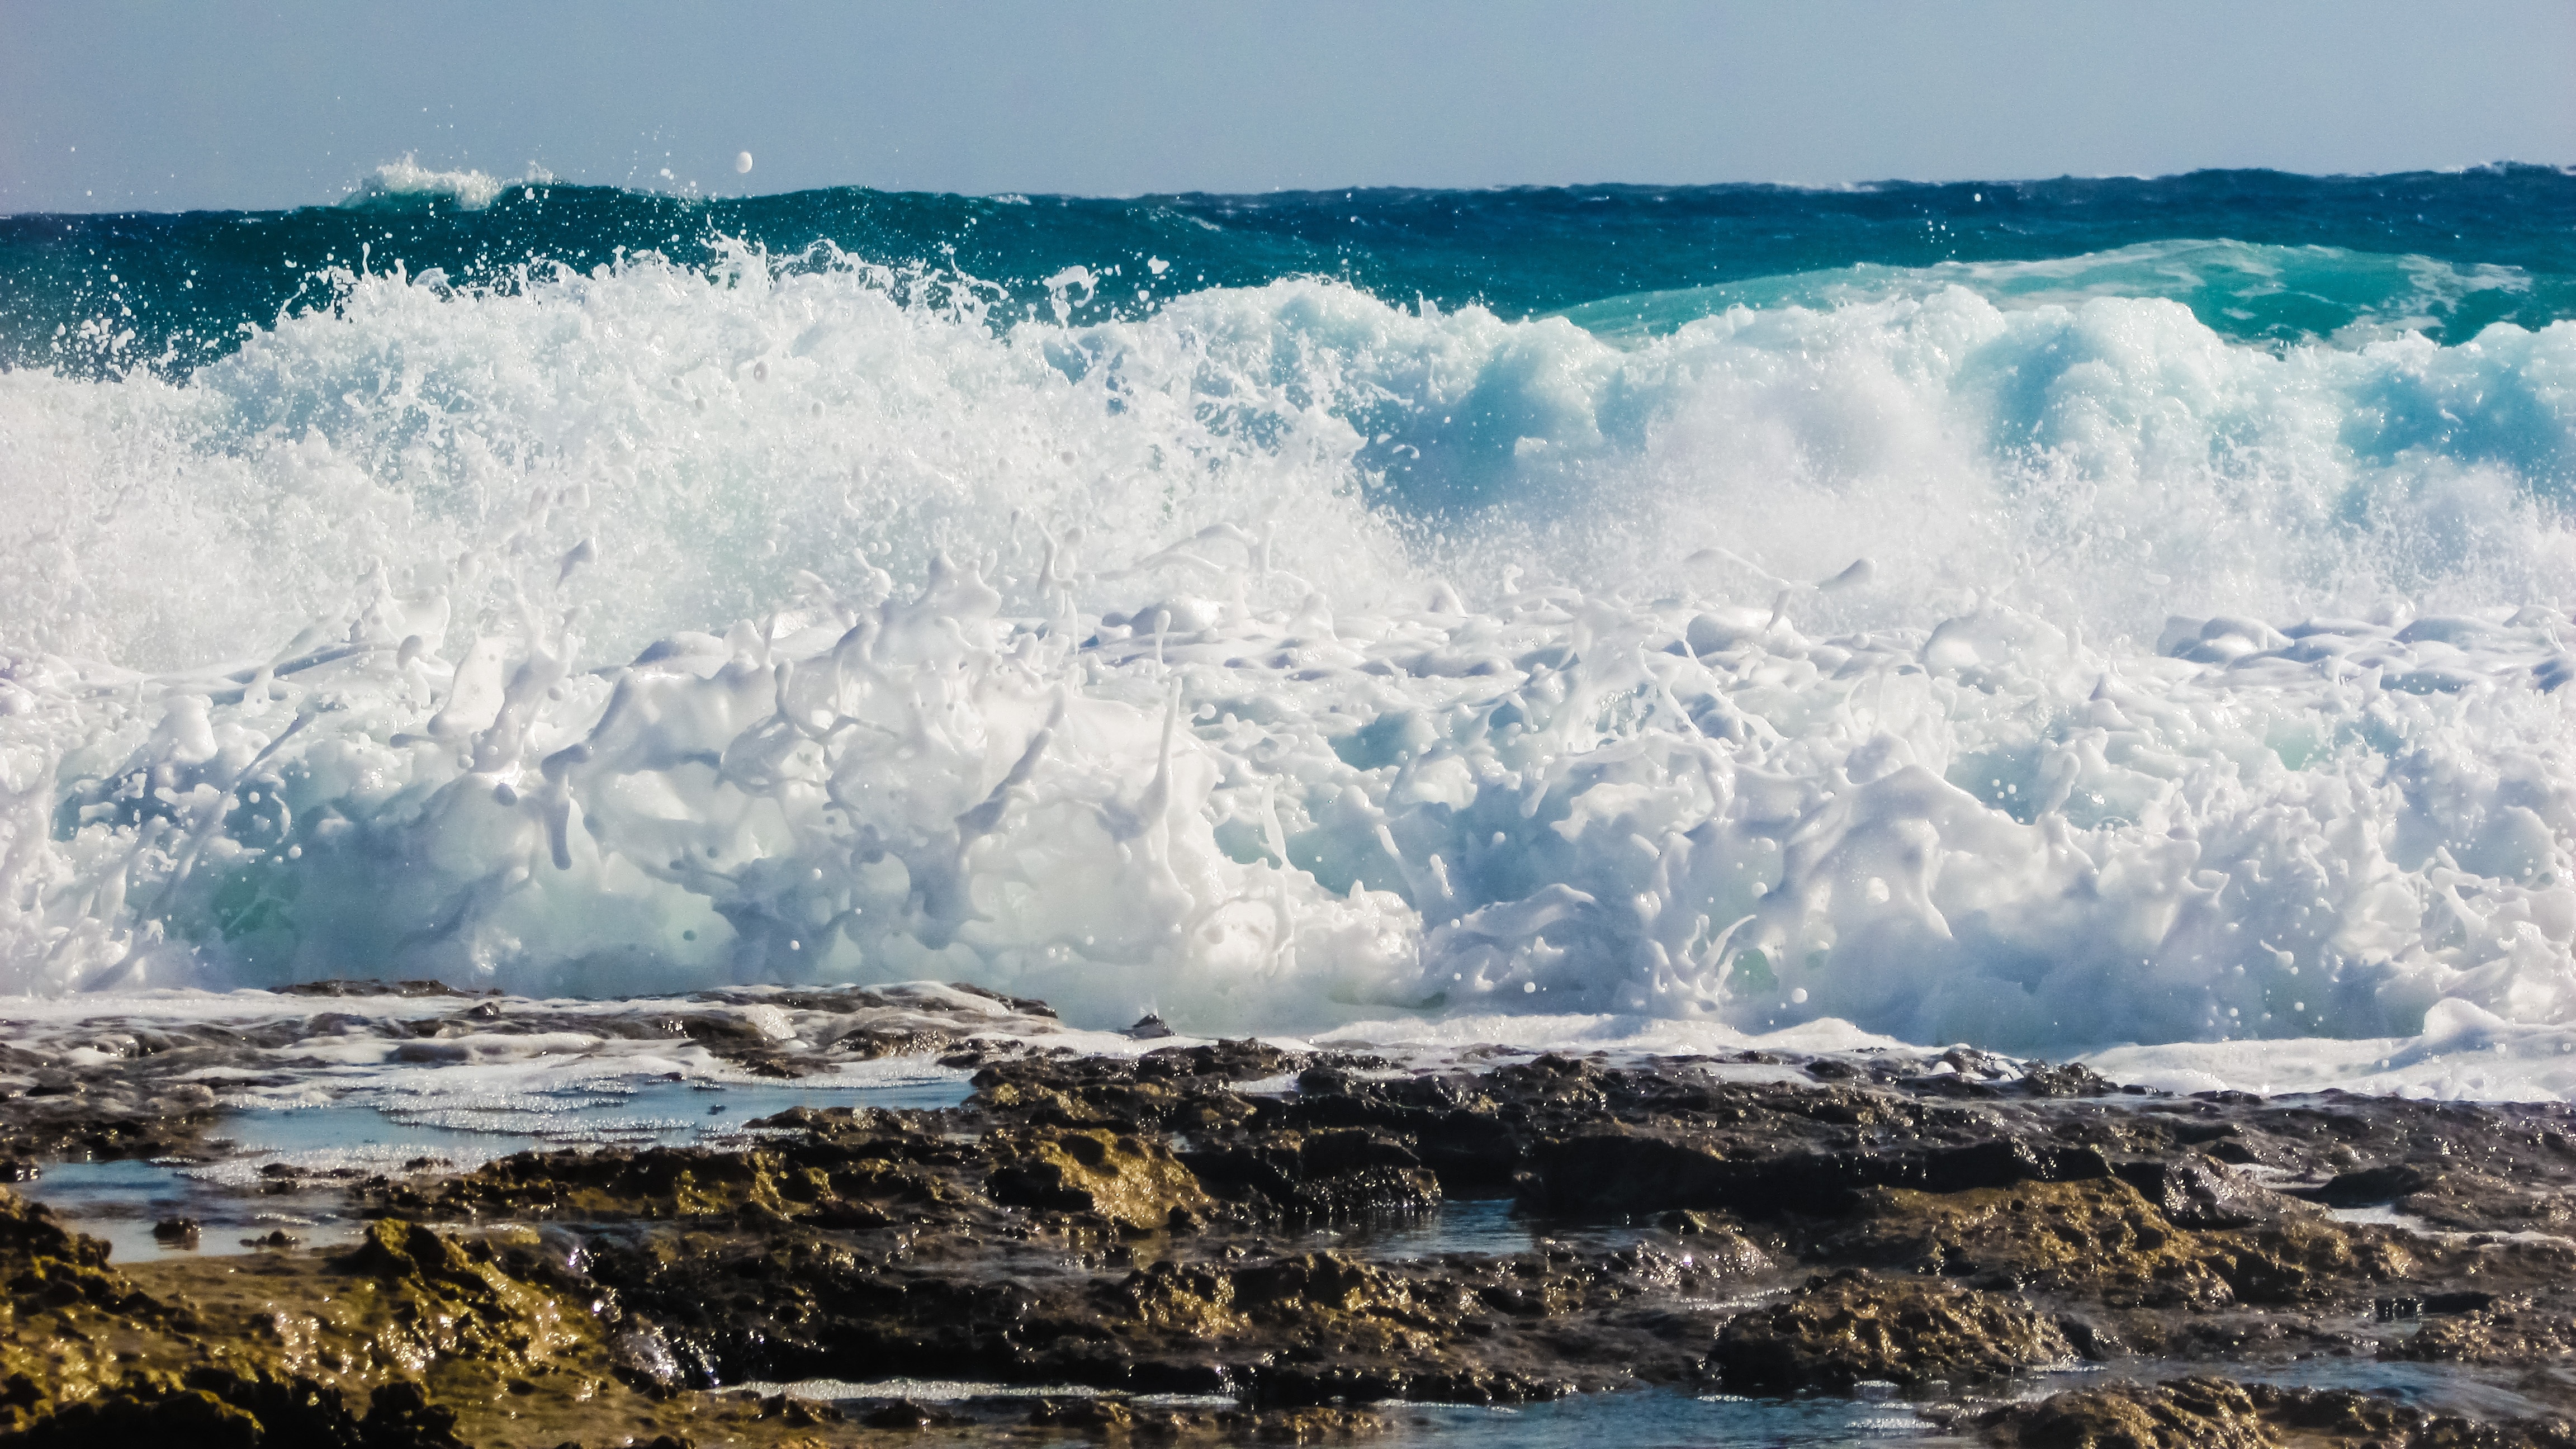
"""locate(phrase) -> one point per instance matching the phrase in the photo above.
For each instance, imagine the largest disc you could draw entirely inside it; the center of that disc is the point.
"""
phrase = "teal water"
(2450, 252)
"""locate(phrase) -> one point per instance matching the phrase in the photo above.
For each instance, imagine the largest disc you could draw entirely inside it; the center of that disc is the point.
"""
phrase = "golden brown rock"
(1130, 1180)
(1857, 1326)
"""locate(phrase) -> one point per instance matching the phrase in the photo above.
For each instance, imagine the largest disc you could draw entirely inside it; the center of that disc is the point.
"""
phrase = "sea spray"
(1276, 655)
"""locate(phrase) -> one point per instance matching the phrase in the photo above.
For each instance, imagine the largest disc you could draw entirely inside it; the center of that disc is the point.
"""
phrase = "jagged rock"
(2501, 1335)
(1838, 1331)
(1653, 1170)
(2205, 1412)
(2102, 1239)
(1302, 1177)
(2368, 1187)
(2197, 1192)
(2199, 1413)
(1188, 1221)
(1131, 1181)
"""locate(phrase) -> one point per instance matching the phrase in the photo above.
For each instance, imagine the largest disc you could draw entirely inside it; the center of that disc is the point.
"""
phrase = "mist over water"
(2047, 616)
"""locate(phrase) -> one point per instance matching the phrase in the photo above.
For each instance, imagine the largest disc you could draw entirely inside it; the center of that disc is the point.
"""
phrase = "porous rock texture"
(1258, 1227)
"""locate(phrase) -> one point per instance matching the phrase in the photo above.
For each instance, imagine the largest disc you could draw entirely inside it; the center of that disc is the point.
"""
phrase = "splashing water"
(1992, 651)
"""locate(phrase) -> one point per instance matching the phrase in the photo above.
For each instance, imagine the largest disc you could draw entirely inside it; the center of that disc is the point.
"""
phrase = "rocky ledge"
(1229, 1242)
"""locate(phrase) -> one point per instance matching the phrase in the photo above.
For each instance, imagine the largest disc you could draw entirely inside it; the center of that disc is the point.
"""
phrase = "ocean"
(2114, 618)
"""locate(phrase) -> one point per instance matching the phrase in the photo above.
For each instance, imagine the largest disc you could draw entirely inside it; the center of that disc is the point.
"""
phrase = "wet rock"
(131, 1113)
(653, 1183)
(2069, 1079)
(868, 1044)
(1839, 1331)
(2098, 1237)
(1126, 1223)
(2202, 1412)
(2199, 1192)
(2011, 1224)
(836, 1124)
(2367, 1187)
(453, 1299)
(221, 1409)
(2106, 1241)
(93, 1359)
(646, 1356)
(63, 1304)
(371, 986)
(2199, 1413)
(2504, 1335)
(2475, 1202)
(796, 1413)
(1297, 1177)
(1656, 1170)
(1130, 1181)
(906, 1414)
(1095, 1415)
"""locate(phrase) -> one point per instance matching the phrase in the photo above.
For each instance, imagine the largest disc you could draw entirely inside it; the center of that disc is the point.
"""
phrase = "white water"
(407, 180)
(1287, 659)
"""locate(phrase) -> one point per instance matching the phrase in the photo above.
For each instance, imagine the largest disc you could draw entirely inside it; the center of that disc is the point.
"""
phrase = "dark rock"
(1836, 1332)
(371, 986)
(2195, 1192)
(2201, 1413)
(1025, 1006)
(2069, 1079)
(1128, 1181)
(2366, 1187)
(905, 1414)
(1302, 1177)
(2204, 1412)
(1145, 1225)
(1594, 1171)
(2486, 1335)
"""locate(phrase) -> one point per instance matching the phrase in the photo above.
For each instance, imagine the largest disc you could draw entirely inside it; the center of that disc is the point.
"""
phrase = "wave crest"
(407, 182)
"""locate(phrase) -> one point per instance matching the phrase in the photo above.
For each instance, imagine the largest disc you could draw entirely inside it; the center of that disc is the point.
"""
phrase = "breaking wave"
(1981, 653)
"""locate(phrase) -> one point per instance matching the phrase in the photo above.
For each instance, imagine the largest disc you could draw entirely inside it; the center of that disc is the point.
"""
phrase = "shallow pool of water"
(1466, 1225)
(241, 1194)
(1660, 1419)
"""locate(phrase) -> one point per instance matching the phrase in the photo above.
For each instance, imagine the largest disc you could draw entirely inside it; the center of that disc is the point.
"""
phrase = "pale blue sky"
(114, 104)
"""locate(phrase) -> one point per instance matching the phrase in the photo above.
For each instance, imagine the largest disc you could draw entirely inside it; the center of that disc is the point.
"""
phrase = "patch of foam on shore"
(2463, 1054)
(1285, 659)
(1618, 1035)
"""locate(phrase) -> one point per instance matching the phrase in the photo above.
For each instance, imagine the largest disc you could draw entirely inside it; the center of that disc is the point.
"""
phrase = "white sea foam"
(407, 179)
(1285, 659)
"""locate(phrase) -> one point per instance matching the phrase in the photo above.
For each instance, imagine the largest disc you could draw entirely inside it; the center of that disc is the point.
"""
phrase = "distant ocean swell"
(2121, 638)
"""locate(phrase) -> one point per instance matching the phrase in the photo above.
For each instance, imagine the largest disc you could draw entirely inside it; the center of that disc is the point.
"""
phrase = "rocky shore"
(1231, 1241)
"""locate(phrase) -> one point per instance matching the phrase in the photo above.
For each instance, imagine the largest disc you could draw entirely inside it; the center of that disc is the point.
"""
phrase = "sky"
(114, 105)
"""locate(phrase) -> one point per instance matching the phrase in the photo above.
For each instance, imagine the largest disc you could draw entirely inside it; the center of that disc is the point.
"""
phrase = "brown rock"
(1134, 1182)
(1856, 1326)
(2198, 1413)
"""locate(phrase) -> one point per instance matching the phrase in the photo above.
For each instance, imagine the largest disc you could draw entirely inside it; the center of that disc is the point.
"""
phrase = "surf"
(1973, 651)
